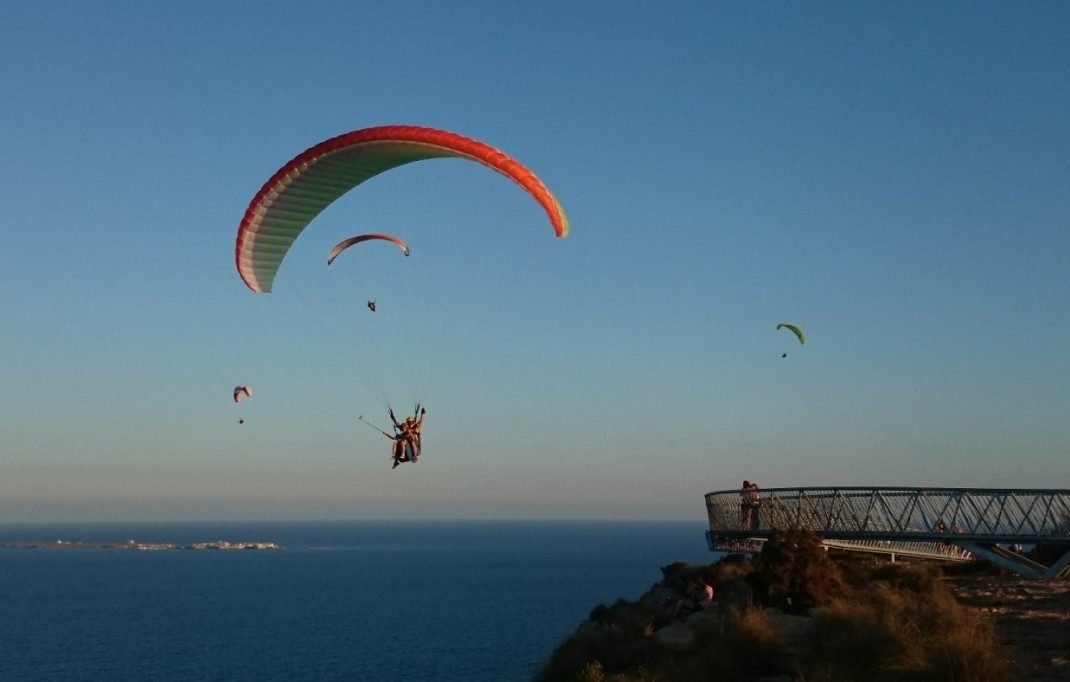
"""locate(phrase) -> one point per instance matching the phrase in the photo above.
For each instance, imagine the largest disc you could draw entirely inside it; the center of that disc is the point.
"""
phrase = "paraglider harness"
(407, 433)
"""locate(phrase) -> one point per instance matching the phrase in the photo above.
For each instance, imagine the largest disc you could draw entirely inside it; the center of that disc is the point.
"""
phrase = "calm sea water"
(412, 601)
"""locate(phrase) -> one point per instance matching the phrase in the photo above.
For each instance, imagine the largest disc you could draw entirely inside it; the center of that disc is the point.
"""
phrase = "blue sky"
(892, 177)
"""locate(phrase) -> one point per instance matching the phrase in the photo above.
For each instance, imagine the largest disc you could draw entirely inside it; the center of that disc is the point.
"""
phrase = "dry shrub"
(854, 567)
(593, 672)
(746, 648)
(679, 575)
(626, 616)
(894, 623)
(617, 639)
(970, 651)
(794, 569)
(614, 650)
(906, 627)
(732, 567)
(852, 639)
(638, 675)
(750, 635)
(925, 579)
(675, 574)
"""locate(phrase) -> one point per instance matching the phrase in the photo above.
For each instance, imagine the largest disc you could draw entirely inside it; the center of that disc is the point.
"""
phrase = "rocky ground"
(1031, 617)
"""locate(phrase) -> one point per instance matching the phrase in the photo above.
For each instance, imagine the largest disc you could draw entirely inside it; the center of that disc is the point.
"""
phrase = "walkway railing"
(947, 523)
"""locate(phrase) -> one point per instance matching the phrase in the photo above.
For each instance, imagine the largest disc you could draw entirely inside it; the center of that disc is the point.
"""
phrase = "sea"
(386, 601)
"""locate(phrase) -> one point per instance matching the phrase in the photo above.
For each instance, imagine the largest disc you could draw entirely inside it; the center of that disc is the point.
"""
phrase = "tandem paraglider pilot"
(406, 447)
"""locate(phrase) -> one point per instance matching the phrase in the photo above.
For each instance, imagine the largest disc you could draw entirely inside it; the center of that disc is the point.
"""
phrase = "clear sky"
(894, 178)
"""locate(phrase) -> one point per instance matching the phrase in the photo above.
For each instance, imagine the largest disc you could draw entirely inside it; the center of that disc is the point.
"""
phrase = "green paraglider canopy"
(794, 330)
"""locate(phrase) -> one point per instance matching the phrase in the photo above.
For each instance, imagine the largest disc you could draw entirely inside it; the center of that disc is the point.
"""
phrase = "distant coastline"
(136, 545)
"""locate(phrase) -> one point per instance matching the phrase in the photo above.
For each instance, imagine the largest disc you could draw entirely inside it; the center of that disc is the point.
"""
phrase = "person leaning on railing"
(755, 503)
(750, 500)
(744, 506)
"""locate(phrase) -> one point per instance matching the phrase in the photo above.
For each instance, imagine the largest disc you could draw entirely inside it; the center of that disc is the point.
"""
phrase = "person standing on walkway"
(745, 510)
(755, 497)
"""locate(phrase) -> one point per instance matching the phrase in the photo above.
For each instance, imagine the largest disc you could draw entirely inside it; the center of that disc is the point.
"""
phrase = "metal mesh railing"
(903, 514)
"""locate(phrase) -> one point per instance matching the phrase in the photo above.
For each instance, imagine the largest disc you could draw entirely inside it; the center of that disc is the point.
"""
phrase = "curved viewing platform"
(954, 524)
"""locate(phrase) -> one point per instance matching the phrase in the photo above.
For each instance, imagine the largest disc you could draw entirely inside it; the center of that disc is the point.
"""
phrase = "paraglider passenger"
(414, 427)
(406, 438)
(397, 449)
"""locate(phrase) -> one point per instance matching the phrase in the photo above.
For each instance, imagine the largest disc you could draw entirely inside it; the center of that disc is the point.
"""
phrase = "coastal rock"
(705, 622)
(1030, 617)
(734, 595)
(678, 637)
(682, 637)
(795, 634)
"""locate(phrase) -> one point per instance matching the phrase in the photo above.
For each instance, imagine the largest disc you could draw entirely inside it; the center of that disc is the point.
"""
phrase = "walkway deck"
(952, 524)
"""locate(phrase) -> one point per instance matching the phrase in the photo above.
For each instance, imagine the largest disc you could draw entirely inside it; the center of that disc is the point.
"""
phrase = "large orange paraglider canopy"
(305, 186)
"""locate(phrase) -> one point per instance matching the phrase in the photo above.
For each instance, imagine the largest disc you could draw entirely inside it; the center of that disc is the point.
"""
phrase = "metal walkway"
(951, 524)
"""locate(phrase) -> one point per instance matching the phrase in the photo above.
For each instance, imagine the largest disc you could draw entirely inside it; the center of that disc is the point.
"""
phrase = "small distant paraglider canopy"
(353, 241)
(794, 330)
(240, 392)
(346, 243)
(311, 181)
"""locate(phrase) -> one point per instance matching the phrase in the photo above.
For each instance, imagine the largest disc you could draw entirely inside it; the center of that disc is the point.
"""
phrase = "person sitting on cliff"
(705, 596)
(698, 596)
